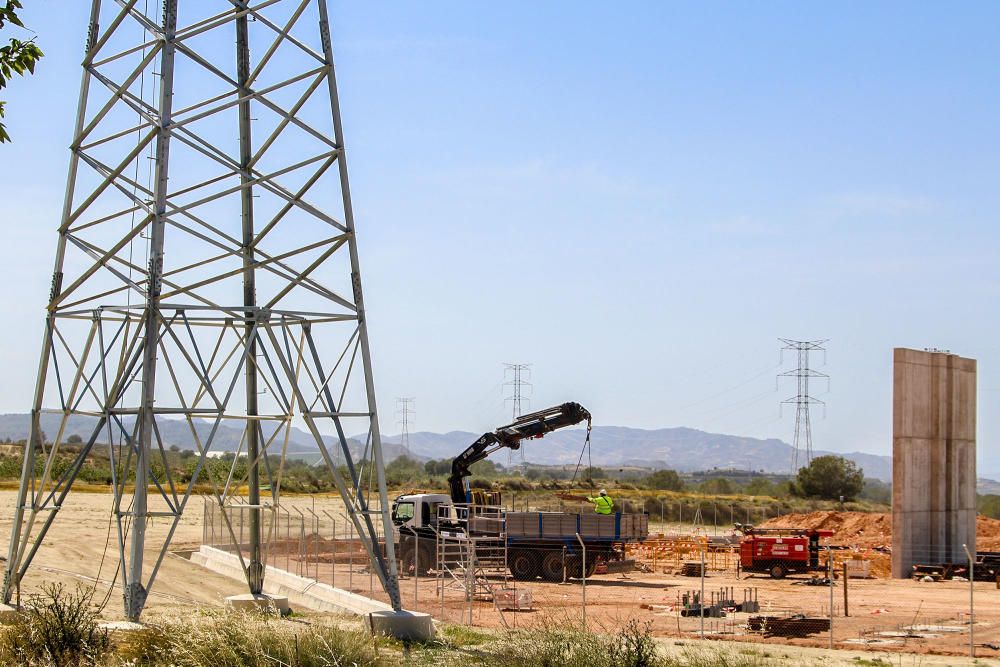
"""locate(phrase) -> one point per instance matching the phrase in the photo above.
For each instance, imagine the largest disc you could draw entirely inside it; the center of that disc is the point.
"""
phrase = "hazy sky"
(636, 198)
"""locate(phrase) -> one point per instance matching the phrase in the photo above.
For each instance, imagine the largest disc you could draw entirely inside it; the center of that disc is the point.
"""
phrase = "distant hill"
(176, 432)
(682, 449)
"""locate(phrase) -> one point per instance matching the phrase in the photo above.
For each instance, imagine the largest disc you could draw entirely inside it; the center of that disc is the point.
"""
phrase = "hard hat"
(604, 492)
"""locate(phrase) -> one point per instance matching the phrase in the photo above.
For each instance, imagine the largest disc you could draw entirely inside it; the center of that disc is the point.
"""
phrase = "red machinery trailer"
(780, 551)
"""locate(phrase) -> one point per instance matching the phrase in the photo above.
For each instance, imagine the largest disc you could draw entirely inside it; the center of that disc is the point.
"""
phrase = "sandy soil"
(82, 546)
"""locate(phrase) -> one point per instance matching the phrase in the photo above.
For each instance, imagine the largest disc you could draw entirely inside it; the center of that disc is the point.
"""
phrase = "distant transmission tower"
(242, 306)
(802, 400)
(517, 376)
(403, 414)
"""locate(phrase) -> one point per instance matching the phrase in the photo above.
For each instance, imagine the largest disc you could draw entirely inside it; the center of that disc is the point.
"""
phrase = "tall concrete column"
(933, 458)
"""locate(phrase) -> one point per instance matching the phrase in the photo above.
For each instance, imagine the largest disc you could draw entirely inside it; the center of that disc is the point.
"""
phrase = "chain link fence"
(693, 584)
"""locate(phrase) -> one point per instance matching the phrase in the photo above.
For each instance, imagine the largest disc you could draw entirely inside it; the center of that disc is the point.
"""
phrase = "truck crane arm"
(525, 427)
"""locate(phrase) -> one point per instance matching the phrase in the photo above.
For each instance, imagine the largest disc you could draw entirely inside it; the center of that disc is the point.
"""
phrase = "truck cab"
(417, 510)
(415, 526)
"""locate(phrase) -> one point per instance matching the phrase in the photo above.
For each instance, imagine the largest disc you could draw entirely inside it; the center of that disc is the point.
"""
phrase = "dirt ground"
(872, 530)
(885, 614)
(73, 552)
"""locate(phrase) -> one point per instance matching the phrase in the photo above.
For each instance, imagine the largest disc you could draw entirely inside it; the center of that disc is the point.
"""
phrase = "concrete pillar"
(933, 458)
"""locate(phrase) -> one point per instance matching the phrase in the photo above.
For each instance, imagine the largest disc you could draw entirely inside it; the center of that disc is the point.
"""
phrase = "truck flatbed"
(559, 526)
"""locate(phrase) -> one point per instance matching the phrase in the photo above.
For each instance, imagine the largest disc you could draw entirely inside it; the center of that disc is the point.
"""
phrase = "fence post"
(972, 608)
(333, 542)
(846, 614)
(583, 578)
(701, 600)
(829, 569)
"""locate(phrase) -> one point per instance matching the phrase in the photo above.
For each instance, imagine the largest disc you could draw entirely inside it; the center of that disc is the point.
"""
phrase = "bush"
(632, 646)
(56, 628)
(248, 640)
(876, 491)
(989, 505)
(761, 486)
(717, 486)
(665, 480)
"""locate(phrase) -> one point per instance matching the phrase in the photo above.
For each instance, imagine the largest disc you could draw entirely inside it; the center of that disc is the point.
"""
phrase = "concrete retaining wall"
(299, 590)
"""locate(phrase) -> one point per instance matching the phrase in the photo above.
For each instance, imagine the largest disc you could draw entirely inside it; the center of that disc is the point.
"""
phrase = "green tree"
(717, 486)
(761, 486)
(484, 468)
(989, 505)
(829, 477)
(876, 491)
(403, 470)
(17, 57)
(665, 480)
(533, 473)
(434, 467)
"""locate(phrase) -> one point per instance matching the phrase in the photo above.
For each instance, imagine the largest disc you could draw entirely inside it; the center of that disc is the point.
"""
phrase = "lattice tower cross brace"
(254, 318)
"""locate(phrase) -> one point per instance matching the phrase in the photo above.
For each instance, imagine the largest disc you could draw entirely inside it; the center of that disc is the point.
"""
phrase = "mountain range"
(681, 449)
(177, 432)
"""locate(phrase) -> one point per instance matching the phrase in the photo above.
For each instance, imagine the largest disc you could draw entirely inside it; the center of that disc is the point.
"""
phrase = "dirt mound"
(868, 530)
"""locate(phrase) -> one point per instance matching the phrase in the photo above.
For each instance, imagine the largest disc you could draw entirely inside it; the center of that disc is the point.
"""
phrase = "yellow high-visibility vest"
(602, 504)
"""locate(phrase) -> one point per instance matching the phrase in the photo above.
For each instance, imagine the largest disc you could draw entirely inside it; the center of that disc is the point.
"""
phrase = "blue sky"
(637, 198)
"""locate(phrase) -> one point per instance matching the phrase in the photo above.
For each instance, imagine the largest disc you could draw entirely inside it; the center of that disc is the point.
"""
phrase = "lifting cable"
(590, 466)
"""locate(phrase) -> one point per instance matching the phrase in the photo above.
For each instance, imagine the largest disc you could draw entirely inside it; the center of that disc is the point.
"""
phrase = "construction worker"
(603, 503)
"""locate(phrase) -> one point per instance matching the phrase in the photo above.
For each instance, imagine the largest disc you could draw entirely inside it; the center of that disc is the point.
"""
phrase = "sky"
(636, 198)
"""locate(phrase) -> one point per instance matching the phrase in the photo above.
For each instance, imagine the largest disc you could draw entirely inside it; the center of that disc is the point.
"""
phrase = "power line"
(519, 375)
(802, 400)
(404, 414)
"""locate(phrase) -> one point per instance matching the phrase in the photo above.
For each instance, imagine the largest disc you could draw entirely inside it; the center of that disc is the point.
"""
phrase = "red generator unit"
(780, 551)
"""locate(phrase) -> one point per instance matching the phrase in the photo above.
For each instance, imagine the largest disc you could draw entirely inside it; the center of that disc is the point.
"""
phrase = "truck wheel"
(552, 566)
(778, 571)
(417, 561)
(524, 565)
(574, 567)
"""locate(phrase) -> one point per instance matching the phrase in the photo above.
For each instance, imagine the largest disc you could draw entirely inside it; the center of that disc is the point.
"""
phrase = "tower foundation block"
(260, 602)
(404, 625)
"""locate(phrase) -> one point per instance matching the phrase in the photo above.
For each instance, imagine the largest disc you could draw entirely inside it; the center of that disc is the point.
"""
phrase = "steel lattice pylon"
(802, 399)
(206, 275)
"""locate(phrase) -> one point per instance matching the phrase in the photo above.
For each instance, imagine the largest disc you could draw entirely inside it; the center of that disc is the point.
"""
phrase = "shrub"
(665, 480)
(632, 646)
(56, 628)
(249, 640)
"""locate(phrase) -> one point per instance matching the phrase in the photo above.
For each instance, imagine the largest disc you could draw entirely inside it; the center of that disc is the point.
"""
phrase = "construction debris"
(789, 626)
(690, 569)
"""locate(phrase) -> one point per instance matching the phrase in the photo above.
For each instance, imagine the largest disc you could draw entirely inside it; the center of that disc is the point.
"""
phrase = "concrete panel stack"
(933, 459)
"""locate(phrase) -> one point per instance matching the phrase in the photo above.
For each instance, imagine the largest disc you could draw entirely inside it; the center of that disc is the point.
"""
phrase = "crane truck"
(546, 544)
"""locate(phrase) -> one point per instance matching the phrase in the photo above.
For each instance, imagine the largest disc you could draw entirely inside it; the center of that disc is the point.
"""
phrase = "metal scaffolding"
(207, 280)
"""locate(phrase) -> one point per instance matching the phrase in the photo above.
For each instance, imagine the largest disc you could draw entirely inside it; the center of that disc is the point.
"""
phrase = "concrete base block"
(121, 626)
(264, 603)
(405, 625)
(7, 613)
